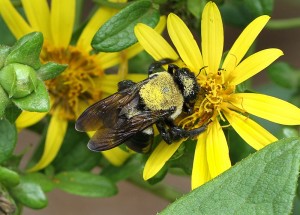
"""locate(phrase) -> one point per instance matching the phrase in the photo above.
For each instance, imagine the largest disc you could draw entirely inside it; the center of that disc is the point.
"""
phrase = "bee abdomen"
(141, 142)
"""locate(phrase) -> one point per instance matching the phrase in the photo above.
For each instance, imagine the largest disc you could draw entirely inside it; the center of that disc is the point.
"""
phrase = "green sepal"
(85, 184)
(50, 70)
(18, 80)
(29, 194)
(263, 183)
(4, 51)
(37, 101)
(27, 50)
(8, 139)
(118, 32)
(8, 177)
(4, 101)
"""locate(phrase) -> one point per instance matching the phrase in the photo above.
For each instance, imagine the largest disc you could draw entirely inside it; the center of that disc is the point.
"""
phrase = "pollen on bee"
(161, 93)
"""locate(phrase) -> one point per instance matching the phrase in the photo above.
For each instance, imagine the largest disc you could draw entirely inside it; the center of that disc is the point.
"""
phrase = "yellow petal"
(15, 22)
(38, 14)
(115, 156)
(253, 64)
(154, 43)
(243, 43)
(161, 154)
(212, 37)
(27, 119)
(267, 107)
(55, 135)
(98, 19)
(185, 43)
(62, 20)
(137, 48)
(217, 150)
(108, 60)
(255, 135)
(109, 83)
(200, 173)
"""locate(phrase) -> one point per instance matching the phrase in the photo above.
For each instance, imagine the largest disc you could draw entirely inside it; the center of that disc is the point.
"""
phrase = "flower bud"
(18, 80)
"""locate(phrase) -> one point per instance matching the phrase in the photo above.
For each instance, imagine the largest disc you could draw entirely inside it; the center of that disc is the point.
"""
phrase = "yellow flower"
(217, 100)
(84, 81)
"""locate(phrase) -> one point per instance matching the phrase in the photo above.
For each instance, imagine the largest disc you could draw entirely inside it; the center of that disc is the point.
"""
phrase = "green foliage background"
(263, 182)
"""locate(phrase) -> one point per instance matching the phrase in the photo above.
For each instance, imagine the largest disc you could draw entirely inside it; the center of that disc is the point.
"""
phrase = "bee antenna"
(203, 68)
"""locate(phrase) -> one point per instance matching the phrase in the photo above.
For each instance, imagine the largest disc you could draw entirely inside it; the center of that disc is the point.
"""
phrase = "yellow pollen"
(76, 83)
(211, 102)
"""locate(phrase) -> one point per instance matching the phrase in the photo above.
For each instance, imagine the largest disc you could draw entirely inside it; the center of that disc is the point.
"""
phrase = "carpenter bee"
(128, 116)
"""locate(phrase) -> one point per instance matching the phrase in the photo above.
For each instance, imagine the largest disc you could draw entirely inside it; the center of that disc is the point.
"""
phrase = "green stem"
(162, 190)
(283, 23)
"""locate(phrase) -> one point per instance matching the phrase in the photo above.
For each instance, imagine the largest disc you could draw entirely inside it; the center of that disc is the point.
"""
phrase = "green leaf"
(284, 75)
(8, 139)
(263, 183)
(27, 50)
(289, 132)
(38, 178)
(37, 101)
(85, 184)
(241, 12)
(8, 177)
(116, 5)
(50, 70)
(196, 7)
(185, 162)
(30, 195)
(118, 32)
(74, 154)
(131, 167)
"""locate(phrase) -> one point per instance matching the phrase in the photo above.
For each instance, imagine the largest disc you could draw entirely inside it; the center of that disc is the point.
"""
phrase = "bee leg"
(175, 133)
(163, 130)
(125, 84)
(158, 65)
(187, 109)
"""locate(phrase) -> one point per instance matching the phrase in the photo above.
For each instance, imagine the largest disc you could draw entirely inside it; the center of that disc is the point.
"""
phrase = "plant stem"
(283, 23)
(162, 190)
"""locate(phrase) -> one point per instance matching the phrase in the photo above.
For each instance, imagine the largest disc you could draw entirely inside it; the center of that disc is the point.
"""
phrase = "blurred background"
(134, 200)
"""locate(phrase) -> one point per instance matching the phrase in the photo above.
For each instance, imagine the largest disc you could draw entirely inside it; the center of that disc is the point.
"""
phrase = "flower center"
(211, 101)
(76, 83)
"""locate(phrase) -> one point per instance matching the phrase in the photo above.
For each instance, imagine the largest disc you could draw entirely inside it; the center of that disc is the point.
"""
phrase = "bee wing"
(105, 113)
(108, 138)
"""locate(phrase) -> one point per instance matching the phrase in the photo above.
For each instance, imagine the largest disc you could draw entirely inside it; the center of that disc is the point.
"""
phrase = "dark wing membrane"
(105, 113)
(108, 138)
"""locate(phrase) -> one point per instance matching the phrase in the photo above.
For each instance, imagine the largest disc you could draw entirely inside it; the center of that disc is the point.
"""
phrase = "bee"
(128, 115)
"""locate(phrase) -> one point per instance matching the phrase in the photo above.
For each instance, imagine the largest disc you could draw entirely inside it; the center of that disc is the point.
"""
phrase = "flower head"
(84, 81)
(218, 99)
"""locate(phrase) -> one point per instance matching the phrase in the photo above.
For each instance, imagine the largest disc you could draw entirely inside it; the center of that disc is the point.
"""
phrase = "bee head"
(187, 83)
